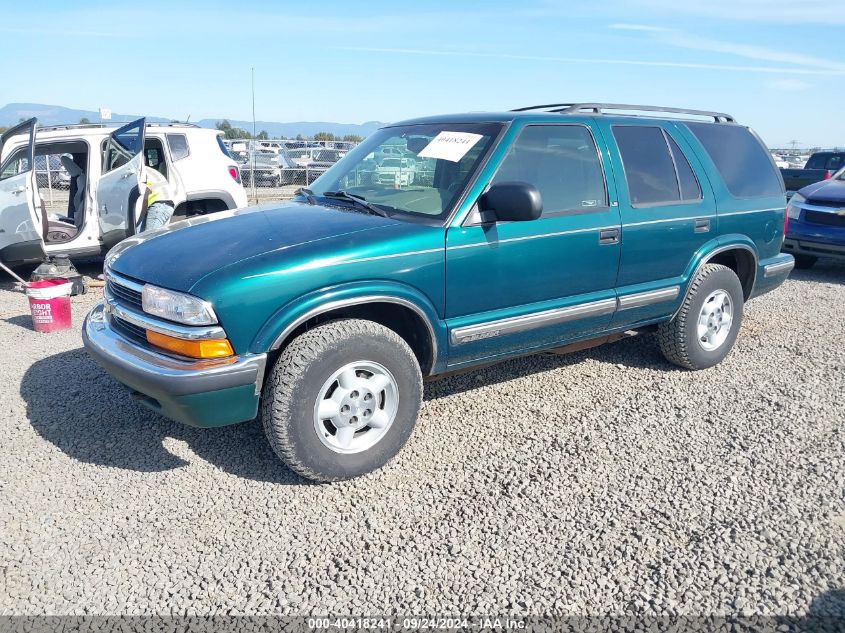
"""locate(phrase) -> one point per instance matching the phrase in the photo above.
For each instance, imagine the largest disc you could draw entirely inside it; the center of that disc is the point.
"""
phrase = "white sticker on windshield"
(451, 146)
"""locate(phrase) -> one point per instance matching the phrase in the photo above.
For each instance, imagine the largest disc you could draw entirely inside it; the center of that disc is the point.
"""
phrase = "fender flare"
(279, 327)
(710, 250)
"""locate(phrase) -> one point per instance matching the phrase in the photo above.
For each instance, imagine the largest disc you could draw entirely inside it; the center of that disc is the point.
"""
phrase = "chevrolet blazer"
(533, 229)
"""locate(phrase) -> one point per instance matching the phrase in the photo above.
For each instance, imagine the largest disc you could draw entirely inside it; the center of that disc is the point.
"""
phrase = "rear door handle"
(702, 225)
(608, 236)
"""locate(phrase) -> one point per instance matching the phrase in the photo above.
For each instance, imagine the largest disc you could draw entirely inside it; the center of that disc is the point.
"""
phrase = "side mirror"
(512, 202)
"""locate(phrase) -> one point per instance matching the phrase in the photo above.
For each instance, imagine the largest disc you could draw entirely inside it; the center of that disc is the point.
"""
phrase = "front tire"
(342, 399)
(704, 330)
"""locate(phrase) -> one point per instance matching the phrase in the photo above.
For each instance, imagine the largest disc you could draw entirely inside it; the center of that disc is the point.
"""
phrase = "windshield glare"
(414, 170)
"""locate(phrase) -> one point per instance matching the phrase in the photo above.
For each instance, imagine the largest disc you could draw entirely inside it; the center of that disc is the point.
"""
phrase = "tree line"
(232, 132)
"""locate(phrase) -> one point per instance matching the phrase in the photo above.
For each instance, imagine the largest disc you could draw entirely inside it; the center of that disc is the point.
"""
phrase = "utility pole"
(252, 71)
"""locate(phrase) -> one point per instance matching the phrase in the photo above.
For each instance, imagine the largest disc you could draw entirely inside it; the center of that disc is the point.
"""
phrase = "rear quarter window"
(740, 158)
(178, 144)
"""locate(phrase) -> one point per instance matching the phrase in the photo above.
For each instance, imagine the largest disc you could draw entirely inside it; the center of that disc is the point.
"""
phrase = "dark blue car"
(817, 222)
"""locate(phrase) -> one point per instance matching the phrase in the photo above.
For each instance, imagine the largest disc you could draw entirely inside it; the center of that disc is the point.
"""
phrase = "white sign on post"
(451, 146)
(105, 114)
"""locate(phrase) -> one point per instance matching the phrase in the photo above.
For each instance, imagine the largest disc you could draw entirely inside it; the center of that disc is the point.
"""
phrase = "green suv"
(516, 232)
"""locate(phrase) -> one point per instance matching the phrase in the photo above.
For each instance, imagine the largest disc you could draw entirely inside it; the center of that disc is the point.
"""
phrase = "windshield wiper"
(308, 194)
(362, 202)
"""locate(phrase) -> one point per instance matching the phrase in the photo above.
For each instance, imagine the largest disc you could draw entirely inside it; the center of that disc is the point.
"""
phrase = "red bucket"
(49, 303)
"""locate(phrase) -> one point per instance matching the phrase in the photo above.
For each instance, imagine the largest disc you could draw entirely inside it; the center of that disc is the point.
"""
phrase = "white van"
(100, 203)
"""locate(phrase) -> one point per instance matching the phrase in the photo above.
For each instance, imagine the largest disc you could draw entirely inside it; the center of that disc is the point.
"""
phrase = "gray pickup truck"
(821, 166)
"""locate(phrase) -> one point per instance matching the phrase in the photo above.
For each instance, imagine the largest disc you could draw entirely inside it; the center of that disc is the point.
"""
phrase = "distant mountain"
(58, 115)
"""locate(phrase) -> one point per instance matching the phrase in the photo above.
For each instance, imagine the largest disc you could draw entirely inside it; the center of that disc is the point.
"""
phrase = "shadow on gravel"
(72, 403)
(830, 604)
(22, 320)
(825, 271)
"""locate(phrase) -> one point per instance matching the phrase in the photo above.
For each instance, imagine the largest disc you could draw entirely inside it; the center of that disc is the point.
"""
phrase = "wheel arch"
(411, 317)
(739, 255)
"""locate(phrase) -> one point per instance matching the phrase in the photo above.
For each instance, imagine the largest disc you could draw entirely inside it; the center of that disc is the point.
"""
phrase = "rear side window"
(649, 167)
(562, 161)
(690, 189)
(178, 144)
(744, 164)
(826, 161)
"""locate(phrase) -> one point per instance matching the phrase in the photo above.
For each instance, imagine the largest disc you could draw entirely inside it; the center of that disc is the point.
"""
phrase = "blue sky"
(777, 65)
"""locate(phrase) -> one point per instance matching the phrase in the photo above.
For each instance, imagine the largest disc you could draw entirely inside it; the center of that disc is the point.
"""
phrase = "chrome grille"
(123, 294)
(129, 330)
(826, 219)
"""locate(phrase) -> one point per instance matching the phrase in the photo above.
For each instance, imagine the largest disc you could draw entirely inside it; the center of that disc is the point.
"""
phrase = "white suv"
(100, 204)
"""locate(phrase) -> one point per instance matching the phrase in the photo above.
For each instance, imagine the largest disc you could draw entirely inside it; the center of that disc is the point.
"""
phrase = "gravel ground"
(603, 482)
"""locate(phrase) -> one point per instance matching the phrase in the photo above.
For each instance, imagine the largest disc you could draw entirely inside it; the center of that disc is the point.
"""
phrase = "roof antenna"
(188, 120)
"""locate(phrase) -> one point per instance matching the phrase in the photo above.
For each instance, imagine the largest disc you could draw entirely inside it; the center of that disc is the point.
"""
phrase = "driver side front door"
(21, 224)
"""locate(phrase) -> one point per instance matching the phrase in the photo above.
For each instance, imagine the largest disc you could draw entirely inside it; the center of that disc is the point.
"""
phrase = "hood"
(826, 192)
(178, 256)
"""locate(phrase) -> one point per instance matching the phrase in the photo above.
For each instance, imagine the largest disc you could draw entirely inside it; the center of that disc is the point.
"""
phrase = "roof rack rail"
(78, 126)
(599, 108)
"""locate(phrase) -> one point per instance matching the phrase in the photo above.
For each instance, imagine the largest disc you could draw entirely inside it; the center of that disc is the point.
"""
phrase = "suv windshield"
(430, 165)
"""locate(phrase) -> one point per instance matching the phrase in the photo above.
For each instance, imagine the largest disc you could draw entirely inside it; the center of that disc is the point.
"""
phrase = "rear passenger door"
(511, 286)
(118, 190)
(668, 213)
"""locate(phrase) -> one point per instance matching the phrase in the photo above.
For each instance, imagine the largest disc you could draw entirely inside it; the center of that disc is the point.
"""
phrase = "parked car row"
(266, 167)
(820, 166)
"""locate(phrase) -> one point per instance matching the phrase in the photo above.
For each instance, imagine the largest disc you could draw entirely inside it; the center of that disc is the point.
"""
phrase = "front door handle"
(128, 174)
(19, 190)
(608, 236)
(702, 225)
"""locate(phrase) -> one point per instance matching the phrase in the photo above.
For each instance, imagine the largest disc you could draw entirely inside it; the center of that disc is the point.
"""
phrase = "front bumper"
(198, 393)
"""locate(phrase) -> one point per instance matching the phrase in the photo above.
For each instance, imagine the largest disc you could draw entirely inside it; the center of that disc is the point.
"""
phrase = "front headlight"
(177, 306)
(792, 210)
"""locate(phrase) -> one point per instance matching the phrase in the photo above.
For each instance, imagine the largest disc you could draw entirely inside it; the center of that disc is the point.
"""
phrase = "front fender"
(278, 328)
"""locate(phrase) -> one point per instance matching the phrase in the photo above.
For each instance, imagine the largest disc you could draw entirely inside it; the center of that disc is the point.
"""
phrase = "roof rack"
(598, 108)
(84, 126)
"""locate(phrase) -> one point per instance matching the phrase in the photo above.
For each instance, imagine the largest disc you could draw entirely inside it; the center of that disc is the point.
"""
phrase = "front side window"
(740, 158)
(414, 171)
(17, 163)
(562, 161)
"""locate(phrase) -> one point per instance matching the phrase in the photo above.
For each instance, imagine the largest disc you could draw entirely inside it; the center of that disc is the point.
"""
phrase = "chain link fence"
(53, 182)
(275, 169)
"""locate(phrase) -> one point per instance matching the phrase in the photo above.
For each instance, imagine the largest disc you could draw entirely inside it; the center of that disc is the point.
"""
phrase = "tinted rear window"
(744, 164)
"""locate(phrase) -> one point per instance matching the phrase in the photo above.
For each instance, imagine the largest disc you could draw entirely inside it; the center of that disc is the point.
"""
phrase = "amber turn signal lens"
(211, 348)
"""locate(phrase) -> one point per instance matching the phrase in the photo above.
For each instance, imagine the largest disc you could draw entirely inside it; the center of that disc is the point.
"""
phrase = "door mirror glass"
(512, 202)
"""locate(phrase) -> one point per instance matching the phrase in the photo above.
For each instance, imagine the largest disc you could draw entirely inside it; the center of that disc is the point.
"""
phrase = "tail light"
(235, 174)
(785, 221)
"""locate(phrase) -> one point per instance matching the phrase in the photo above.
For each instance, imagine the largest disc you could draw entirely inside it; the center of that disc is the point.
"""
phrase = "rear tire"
(803, 262)
(342, 399)
(704, 330)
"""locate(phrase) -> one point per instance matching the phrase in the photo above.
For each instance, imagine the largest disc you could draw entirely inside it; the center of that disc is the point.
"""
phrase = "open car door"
(119, 189)
(21, 217)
